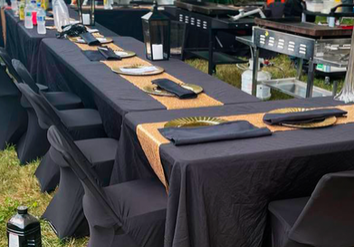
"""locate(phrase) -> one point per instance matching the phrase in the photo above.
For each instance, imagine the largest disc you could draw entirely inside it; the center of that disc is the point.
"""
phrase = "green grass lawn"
(18, 186)
(232, 75)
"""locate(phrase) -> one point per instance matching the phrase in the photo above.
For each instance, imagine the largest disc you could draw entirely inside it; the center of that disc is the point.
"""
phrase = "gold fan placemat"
(150, 138)
(202, 100)
(102, 40)
(190, 122)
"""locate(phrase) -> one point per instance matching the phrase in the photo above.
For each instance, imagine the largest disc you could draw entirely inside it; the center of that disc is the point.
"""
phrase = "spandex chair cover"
(65, 211)
(130, 214)
(325, 219)
(13, 117)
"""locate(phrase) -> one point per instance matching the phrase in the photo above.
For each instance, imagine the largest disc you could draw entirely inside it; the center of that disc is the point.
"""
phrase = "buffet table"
(219, 191)
(23, 44)
(64, 67)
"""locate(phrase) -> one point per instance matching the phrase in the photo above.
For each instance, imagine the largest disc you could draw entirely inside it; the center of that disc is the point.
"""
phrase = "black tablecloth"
(23, 44)
(64, 67)
(219, 192)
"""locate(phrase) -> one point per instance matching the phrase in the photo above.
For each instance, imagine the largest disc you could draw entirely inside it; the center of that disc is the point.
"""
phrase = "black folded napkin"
(94, 56)
(225, 131)
(108, 53)
(89, 39)
(175, 88)
(302, 117)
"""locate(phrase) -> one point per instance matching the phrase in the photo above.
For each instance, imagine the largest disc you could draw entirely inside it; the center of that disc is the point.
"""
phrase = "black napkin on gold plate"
(221, 132)
(89, 39)
(108, 53)
(309, 116)
(96, 56)
(174, 88)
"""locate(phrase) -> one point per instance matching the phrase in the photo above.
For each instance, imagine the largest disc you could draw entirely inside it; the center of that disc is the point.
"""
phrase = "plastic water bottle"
(61, 14)
(34, 12)
(41, 22)
(24, 230)
(14, 7)
(21, 11)
(2, 3)
(28, 16)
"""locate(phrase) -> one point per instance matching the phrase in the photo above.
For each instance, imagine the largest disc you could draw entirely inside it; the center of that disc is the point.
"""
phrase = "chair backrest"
(7, 60)
(47, 115)
(24, 75)
(328, 217)
(60, 140)
(7, 86)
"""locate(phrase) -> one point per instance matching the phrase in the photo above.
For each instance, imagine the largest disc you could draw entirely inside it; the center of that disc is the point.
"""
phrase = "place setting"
(203, 129)
(168, 88)
(138, 70)
(304, 118)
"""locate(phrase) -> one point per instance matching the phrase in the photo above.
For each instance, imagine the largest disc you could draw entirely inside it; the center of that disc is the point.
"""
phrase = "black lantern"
(86, 10)
(156, 28)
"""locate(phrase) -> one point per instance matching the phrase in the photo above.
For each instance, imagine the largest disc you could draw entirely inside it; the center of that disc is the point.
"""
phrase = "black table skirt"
(219, 191)
(64, 67)
(23, 44)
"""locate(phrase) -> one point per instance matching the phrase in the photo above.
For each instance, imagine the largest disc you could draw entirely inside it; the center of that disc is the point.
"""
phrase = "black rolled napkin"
(89, 39)
(225, 131)
(108, 53)
(302, 117)
(174, 88)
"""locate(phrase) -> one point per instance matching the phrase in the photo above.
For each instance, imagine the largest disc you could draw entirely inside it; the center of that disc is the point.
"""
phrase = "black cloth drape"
(64, 67)
(219, 192)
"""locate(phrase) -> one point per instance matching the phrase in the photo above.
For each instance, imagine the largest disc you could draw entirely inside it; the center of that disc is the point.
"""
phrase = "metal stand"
(255, 71)
(293, 45)
(196, 23)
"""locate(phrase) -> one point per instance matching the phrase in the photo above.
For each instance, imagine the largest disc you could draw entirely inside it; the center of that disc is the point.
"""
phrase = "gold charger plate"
(188, 122)
(101, 40)
(125, 54)
(155, 90)
(118, 70)
(321, 124)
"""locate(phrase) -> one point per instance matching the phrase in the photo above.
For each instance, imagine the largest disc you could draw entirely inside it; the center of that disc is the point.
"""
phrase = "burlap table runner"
(203, 100)
(150, 138)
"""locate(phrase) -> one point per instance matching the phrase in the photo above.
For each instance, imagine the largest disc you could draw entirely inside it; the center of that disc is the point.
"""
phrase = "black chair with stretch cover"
(325, 219)
(131, 214)
(65, 210)
(61, 100)
(86, 123)
(13, 117)
(14, 76)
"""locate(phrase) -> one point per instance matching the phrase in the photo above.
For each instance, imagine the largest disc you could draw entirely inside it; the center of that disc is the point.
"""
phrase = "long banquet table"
(219, 192)
(23, 44)
(64, 67)
(124, 21)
